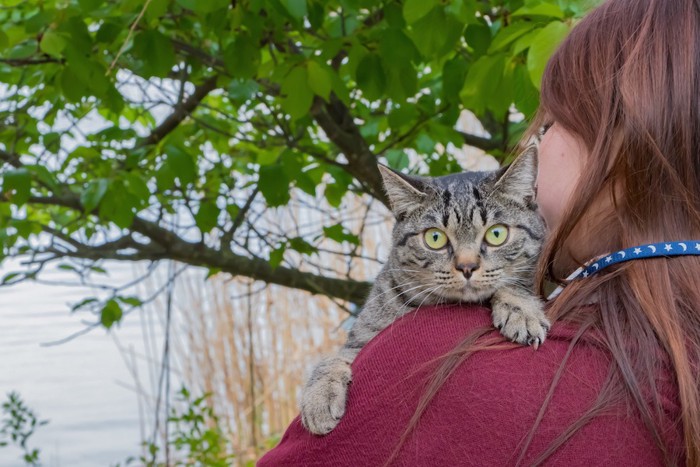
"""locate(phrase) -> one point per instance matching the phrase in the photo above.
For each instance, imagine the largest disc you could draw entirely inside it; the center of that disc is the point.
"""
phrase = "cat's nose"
(467, 268)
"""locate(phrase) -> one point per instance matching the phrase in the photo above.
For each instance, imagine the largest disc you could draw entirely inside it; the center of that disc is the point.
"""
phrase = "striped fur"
(464, 206)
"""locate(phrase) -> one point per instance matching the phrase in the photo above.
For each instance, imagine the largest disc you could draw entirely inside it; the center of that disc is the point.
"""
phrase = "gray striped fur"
(464, 206)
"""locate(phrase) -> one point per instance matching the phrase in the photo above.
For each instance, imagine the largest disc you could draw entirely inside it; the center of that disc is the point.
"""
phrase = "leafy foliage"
(197, 437)
(19, 423)
(164, 129)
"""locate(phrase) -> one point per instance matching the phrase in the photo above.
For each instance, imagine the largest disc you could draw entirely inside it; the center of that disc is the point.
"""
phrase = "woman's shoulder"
(484, 411)
(432, 332)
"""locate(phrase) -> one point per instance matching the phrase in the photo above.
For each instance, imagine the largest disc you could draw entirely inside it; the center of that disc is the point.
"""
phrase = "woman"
(618, 380)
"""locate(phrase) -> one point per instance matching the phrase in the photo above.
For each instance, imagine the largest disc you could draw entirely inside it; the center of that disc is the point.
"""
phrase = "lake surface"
(85, 387)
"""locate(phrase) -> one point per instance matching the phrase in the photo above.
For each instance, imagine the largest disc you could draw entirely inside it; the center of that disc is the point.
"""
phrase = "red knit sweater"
(484, 411)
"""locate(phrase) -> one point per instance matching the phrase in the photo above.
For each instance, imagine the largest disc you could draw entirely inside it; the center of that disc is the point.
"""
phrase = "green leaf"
(242, 57)
(396, 49)
(52, 43)
(117, 206)
(302, 246)
(509, 34)
(397, 159)
(454, 73)
(155, 10)
(43, 175)
(296, 8)
(111, 313)
(463, 10)
(242, 89)
(93, 193)
(131, 301)
(90, 5)
(108, 32)
(207, 216)
(436, 34)
(165, 178)
(203, 7)
(181, 163)
(404, 115)
(413, 10)
(478, 36)
(211, 272)
(319, 79)
(17, 186)
(524, 42)
(83, 303)
(548, 10)
(276, 256)
(338, 233)
(483, 82)
(335, 192)
(155, 52)
(137, 186)
(71, 85)
(370, 76)
(297, 92)
(8, 278)
(274, 185)
(542, 47)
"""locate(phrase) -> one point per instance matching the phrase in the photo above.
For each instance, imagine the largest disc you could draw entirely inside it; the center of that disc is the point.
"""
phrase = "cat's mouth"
(474, 292)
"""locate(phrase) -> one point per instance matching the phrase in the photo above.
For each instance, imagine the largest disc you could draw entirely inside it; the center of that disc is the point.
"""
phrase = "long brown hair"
(626, 83)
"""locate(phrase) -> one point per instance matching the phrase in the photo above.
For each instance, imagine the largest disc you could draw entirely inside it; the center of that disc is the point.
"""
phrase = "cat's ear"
(519, 180)
(405, 193)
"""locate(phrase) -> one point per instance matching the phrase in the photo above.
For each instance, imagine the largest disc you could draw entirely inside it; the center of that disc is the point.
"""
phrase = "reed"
(251, 345)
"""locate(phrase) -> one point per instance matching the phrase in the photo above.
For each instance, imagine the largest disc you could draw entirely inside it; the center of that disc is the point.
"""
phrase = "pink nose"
(467, 268)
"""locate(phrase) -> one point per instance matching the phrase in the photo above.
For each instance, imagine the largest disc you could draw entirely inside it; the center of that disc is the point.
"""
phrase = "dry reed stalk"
(255, 369)
(252, 353)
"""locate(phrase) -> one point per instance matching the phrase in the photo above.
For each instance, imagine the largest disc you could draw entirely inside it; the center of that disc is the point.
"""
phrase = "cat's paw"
(521, 320)
(323, 397)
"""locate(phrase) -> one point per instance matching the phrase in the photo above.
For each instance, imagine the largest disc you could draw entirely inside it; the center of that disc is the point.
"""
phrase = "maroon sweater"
(484, 411)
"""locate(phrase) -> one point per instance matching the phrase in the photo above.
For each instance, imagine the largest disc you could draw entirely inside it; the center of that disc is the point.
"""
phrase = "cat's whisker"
(391, 290)
(404, 291)
(429, 291)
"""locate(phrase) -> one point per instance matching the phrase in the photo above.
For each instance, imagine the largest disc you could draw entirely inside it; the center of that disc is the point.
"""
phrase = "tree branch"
(198, 254)
(486, 144)
(180, 113)
(338, 124)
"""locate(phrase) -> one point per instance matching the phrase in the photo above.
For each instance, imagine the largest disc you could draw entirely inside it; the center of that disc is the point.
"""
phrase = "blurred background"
(190, 208)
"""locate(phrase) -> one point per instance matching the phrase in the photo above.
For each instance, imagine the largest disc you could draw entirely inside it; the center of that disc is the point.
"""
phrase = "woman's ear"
(405, 193)
(520, 178)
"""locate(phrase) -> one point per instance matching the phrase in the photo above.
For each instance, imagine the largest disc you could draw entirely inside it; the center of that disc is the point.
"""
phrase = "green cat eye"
(435, 238)
(496, 235)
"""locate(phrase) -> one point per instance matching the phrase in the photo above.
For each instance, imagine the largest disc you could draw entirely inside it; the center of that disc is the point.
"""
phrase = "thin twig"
(128, 37)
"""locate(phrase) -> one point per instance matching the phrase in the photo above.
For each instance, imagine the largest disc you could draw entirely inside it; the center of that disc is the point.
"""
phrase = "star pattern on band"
(651, 250)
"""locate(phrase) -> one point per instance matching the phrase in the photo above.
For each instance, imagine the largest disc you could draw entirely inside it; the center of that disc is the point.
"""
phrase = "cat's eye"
(435, 238)
(496, 235)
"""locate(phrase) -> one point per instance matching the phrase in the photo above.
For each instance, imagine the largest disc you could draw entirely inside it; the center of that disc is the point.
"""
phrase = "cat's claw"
(524, 322)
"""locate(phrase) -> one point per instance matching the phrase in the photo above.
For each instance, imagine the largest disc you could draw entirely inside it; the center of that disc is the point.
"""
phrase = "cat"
(463, 238)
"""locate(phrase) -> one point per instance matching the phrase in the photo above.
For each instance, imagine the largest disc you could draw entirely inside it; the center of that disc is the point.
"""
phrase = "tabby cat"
(464, 238)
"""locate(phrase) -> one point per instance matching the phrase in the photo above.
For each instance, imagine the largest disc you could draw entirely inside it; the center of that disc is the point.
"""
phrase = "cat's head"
(461, 237)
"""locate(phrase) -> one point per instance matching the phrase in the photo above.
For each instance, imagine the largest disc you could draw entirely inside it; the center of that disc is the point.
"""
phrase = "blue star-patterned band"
(652, 250)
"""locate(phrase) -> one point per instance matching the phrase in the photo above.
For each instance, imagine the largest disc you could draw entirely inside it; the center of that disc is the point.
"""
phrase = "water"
(85, 387)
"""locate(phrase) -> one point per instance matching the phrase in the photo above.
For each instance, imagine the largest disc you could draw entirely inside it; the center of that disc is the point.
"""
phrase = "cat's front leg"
(323, 398)
(519, 316)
